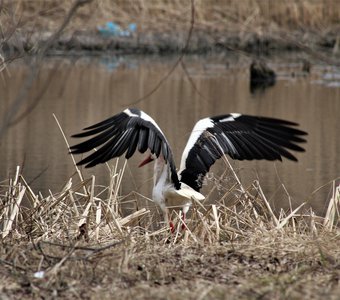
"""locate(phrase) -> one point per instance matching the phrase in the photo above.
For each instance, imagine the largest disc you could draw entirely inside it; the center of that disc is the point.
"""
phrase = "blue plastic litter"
(113, 29)
(132, 27)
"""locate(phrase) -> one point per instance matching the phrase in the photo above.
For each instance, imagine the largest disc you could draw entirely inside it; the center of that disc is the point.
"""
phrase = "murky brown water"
(88, 90)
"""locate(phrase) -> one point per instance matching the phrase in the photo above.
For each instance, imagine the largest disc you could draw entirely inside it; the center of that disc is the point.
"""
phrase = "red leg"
(172, 227)
(168, 221)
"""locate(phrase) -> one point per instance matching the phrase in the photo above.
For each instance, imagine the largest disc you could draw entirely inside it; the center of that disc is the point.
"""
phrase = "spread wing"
(242, 137)
(125, 132)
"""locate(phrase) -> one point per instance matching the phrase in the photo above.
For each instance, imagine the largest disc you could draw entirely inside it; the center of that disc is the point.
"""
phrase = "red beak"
(146, 161)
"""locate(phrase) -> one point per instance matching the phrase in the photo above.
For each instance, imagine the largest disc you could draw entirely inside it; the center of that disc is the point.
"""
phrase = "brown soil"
(141, 270)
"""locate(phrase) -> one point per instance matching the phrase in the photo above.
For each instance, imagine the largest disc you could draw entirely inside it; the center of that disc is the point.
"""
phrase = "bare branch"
(178, 61)
(35, 67)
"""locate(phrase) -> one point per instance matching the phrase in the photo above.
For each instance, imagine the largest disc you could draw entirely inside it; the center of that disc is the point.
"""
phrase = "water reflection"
(86, 91)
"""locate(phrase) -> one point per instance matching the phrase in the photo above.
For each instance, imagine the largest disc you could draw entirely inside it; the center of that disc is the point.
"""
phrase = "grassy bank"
(164, 25)
(156, 15)
(77, 244)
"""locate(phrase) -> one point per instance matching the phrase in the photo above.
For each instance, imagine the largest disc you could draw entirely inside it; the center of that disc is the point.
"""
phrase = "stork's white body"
(166, 195)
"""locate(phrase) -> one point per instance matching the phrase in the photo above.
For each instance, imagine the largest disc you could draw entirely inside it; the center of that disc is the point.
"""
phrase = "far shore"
(173, 43)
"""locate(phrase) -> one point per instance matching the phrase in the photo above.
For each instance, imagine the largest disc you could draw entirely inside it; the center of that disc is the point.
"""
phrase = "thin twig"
(178, 61)
(35, 66)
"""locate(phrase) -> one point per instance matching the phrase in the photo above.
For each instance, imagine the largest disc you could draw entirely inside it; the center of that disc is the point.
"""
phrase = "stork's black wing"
(125, 132)
(239, 136)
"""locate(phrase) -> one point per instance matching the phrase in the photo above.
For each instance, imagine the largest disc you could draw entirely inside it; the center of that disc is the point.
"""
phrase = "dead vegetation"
(77, 244)
(172, 15)
(162, 26)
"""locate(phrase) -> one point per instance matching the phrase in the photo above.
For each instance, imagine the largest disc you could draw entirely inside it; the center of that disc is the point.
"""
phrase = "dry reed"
(85, 210)
(48, 241)
(164, 16)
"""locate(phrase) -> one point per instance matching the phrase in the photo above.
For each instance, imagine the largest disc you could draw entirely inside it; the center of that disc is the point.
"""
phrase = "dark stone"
(261, 76)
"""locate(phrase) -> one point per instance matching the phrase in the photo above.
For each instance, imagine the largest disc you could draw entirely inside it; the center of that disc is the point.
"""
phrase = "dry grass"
(77, 244)
(193, 26)
(231, 15)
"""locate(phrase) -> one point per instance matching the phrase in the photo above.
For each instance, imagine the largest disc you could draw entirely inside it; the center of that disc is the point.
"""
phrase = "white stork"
(239, 136)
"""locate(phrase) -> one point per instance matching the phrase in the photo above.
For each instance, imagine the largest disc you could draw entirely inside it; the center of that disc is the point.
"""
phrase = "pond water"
(83, 91)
